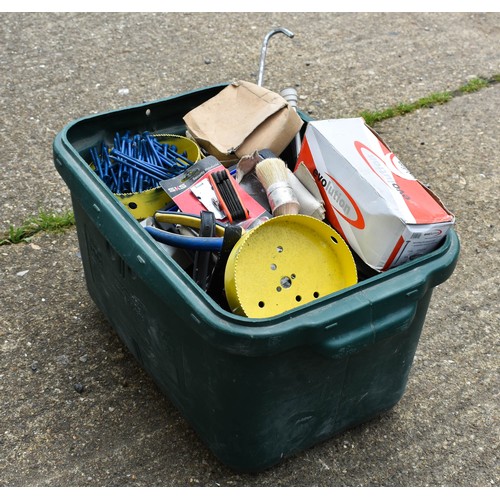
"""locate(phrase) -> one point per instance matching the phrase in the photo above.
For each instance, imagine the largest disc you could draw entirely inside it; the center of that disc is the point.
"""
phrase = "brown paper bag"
(241, 119)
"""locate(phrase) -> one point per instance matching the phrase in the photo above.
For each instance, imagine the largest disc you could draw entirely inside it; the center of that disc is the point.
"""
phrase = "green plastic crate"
(255, 390)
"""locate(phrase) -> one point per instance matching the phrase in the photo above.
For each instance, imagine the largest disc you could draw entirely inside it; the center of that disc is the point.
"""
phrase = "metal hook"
(263, 51)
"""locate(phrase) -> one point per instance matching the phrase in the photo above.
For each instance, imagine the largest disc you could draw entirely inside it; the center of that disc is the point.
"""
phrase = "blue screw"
(96, 160)
(137, 164)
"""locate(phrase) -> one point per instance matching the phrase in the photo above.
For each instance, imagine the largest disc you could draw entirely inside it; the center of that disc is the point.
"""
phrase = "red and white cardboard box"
(386, 215)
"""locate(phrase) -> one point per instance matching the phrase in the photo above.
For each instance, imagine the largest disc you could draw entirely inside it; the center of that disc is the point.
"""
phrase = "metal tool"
(229, 200)
(263, 50)
(212, 244)
(290, 95)
(215, 287)
(201, 264)
(286, 262)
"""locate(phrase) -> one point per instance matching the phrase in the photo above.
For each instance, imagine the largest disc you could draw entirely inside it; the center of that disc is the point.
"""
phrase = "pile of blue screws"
(137, 162)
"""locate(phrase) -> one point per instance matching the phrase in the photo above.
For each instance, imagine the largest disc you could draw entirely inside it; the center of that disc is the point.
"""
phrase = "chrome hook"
(263, 51)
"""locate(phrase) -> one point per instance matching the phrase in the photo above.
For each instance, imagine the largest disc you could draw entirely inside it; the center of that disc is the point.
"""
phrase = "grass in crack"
(401, 109)
(44, 221)
(473, 85)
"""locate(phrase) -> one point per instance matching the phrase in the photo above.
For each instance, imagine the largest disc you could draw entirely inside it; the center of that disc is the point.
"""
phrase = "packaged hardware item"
(200, 188)
(241, 119)
(385, 214)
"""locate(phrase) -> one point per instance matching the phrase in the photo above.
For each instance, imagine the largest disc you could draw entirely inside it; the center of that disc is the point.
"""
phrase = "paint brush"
(271, 172)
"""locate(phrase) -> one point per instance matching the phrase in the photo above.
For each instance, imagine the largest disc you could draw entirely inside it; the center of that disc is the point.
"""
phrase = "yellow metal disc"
(144, 204)
(286, 262)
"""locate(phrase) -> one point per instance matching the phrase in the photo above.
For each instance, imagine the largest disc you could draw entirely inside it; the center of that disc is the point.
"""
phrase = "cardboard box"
(386, 215)
(241, 119)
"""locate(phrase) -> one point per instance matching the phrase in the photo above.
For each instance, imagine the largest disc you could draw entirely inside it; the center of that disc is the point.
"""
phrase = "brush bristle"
(270, 171)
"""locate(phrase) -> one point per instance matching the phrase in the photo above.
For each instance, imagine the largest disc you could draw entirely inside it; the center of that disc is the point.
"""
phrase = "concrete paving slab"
(77, 410)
